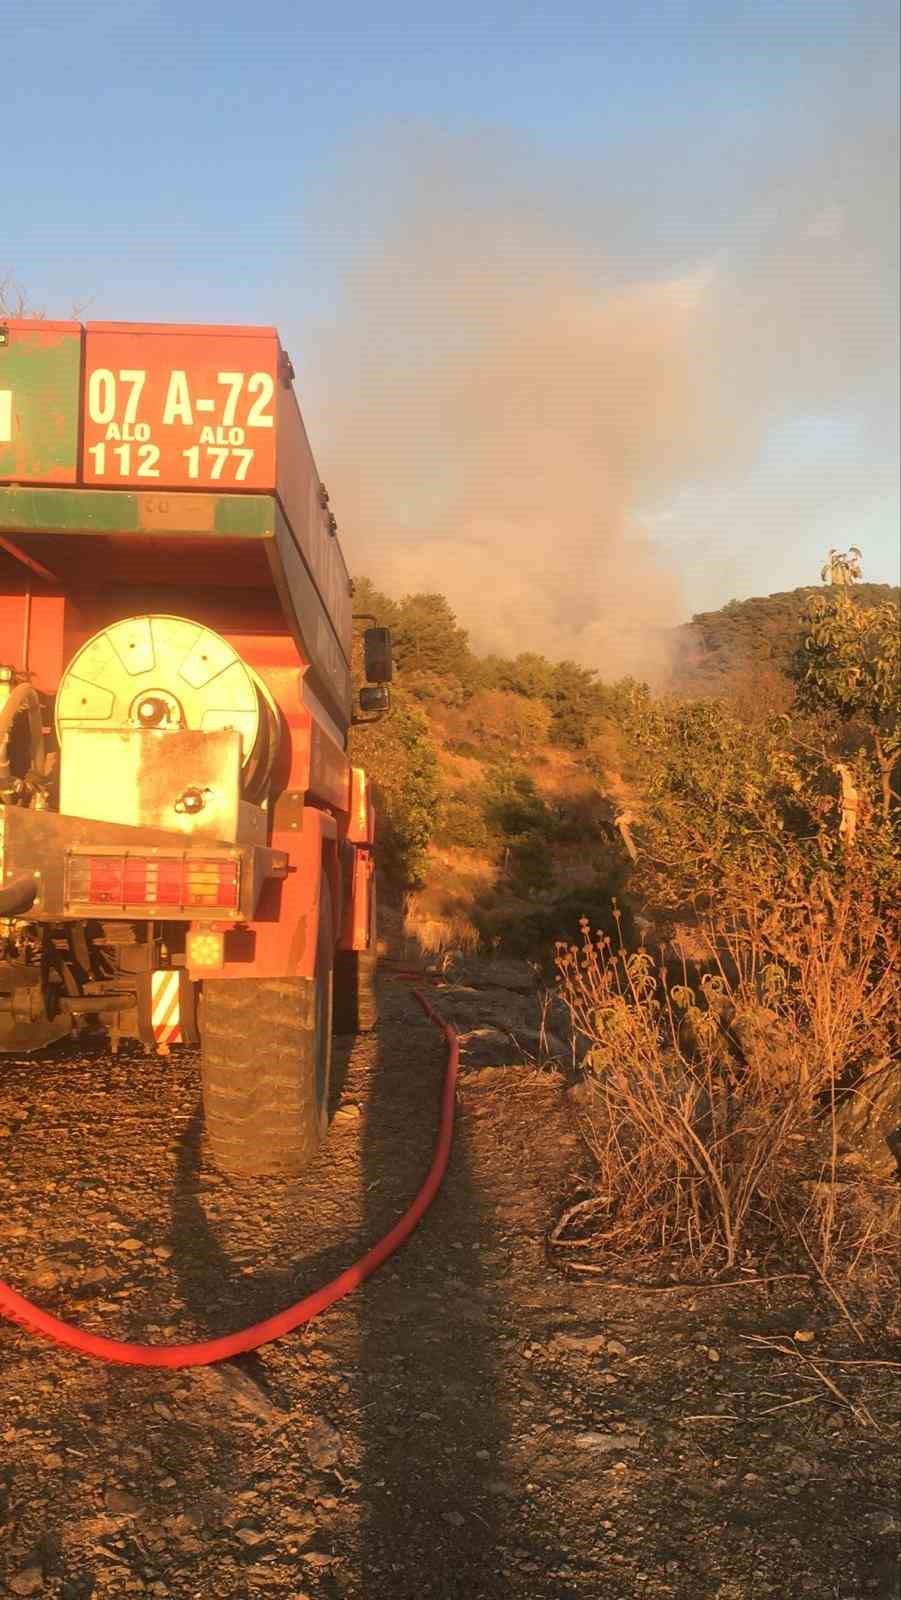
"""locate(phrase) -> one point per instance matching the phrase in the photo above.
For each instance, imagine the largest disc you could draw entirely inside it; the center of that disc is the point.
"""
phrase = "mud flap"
(167, 1007)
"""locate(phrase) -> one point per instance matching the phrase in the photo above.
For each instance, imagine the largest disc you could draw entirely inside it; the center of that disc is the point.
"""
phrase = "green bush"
(399, 756)
(846, 666)
(513, 808)
(718, 795)
(461, 823)
(534, 934)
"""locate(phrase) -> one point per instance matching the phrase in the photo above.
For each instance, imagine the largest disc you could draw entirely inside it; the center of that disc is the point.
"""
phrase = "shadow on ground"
(424, 1425)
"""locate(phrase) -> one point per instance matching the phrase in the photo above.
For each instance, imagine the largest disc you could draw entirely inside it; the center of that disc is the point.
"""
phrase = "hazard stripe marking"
(164, 1014)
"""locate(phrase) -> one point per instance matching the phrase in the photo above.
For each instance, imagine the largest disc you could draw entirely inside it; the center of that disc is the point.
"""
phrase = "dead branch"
(837, 1297)
(684, 1285)
(858, 1410)
(806, 1400)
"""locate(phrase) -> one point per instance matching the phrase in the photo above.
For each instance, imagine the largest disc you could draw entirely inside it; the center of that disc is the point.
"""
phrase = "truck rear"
(187, 852)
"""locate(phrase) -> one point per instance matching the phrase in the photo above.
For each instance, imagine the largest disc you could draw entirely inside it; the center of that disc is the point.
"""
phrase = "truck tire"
(356, 993)
(266, 1064)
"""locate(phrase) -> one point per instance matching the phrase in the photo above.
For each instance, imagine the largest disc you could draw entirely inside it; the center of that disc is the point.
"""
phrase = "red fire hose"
(34, 1320)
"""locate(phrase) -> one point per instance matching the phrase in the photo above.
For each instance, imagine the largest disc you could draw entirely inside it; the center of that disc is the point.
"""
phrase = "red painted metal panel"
(31, 634)
(281, 941)
(357, 922)
(180, 408)
(226, 330)
(307, 511)
(329, 778)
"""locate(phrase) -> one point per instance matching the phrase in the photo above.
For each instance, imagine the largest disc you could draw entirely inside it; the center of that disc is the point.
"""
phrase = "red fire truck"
(187, 852)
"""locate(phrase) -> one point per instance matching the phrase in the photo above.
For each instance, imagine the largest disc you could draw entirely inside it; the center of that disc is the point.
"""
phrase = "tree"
(719, 796)
(368, 601)
(847, 665)
(399, 756)
(13, 300)
(577, 701)
(429, 639)
(527, 674)
(842, 568)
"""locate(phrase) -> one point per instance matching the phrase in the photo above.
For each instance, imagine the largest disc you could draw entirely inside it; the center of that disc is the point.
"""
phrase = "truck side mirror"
(378, 698)
(377, 658)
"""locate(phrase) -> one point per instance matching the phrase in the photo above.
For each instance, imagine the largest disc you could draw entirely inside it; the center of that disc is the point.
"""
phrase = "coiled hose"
(43, 1325)
(23, 700)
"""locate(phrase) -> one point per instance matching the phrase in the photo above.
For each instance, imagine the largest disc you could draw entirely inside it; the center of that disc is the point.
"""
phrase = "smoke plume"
(514, 409)
(502, 414)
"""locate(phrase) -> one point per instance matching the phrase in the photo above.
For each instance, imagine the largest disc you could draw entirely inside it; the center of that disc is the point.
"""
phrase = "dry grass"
(560, 774)
(438, 918)
(435, 936)
(459, 774)
(709, 1094)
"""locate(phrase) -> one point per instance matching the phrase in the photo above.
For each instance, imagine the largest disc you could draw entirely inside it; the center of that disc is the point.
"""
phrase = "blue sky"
(285, 163)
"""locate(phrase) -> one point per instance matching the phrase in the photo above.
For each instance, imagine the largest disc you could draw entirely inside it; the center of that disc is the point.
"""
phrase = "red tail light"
(176, 883)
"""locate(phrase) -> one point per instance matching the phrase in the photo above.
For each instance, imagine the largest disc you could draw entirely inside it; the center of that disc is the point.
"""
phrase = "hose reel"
(163, 672)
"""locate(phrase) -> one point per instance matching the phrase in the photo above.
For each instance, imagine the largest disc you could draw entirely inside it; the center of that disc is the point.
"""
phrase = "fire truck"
(186, 849)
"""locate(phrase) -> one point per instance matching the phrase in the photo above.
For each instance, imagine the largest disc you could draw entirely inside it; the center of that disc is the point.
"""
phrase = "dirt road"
(469, 1426)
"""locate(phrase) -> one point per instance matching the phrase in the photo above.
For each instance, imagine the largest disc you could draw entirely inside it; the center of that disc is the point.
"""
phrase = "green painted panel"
(40, 383)
(112, 511)
(67, 511)
(246, 515)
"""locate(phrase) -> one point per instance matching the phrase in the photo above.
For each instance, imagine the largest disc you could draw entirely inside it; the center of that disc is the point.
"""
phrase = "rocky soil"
(470, 1425)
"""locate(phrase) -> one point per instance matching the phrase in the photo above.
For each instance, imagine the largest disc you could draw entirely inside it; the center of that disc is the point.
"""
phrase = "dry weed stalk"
(707, 1093)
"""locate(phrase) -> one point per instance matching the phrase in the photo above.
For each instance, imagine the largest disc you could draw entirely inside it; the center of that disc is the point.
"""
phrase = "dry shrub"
(439, 917)
(435, 936)
(711, 1087)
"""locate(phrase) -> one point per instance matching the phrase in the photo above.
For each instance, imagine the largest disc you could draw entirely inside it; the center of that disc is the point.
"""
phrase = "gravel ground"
(470, 1425)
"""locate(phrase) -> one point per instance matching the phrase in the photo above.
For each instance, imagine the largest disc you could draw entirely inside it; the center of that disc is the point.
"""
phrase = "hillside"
(716, 648)
(503, 784)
